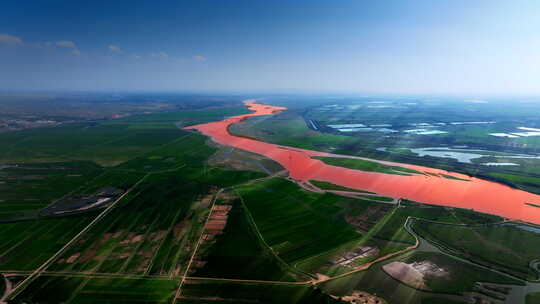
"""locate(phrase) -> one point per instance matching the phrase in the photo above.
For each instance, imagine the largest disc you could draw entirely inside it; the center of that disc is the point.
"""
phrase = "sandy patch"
(72, 258)
(407, 274)
(137, 238)
(414, 274)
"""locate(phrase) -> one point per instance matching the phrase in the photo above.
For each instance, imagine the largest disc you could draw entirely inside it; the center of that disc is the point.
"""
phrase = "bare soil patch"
(415, 274)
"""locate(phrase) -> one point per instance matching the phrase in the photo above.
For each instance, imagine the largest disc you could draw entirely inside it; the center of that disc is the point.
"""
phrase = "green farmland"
(26, 245)
(158, 238)
(57, 289)
(518, 245)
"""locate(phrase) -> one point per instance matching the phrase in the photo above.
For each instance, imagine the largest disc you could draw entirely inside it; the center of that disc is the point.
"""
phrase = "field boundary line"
(162, 242)
(253, 224)
(133, 253)
(46, 264)
(199, 241)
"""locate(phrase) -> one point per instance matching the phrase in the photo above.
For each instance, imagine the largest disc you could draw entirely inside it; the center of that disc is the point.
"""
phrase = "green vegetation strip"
(378, 198)
(454, 177)
(329, 186)
(366, 165)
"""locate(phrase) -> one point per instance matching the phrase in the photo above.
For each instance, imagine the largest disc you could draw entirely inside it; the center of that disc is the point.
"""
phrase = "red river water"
(477, 194)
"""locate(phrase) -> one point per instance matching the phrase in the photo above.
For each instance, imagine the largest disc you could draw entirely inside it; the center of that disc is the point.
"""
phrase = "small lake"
(462, 156)
(466, 155)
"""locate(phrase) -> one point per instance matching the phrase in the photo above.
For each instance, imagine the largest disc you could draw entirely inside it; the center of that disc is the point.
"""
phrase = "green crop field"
(150, 232)
(392, 228)
(188, 150)
(310, 230)
(294, 223)
(517, 246)
(107, 143)
(80, 289)
(26, 245)
(103, 144)
(239, 254)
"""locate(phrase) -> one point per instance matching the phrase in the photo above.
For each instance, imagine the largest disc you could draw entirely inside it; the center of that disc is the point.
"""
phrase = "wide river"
(477, 194)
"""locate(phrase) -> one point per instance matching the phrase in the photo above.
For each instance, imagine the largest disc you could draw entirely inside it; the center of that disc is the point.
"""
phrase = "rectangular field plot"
(26, 245)
(58, 289)
(153, 231)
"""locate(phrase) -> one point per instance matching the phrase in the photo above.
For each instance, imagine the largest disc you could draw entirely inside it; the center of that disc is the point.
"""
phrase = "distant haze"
(428, 47)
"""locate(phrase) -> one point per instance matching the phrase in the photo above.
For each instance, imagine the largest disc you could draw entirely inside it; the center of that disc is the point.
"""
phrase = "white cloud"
(199, 58)
(66, 44)
(13, 40)
(10, 40)
(114, 48)
(70, 45)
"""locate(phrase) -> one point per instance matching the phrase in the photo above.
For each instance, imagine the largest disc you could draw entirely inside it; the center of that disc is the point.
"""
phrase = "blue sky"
(412, 47)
